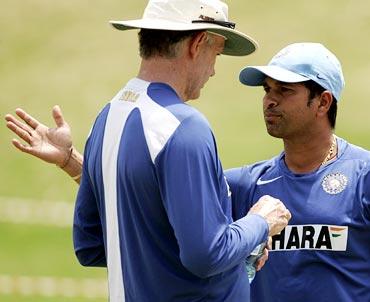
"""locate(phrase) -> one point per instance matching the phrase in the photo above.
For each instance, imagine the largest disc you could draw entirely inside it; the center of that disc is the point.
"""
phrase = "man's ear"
(326, 99)
(196, 43)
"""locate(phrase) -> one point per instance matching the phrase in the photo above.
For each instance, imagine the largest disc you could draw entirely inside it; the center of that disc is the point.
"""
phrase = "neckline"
(341, 145)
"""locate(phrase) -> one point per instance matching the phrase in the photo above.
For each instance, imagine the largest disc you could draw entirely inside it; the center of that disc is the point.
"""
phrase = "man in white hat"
(153, 204)
(323, 254)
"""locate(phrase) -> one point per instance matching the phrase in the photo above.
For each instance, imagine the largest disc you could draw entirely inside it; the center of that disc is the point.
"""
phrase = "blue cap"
(299, 62)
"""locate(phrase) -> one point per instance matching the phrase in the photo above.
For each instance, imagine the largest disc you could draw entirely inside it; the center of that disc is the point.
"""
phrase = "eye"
(266, 89)
(285, 89)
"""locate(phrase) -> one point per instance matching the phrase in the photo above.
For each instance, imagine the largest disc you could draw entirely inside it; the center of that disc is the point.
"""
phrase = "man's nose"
(270, 100)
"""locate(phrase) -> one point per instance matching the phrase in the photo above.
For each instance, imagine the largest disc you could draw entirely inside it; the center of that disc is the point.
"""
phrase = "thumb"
(58, 116)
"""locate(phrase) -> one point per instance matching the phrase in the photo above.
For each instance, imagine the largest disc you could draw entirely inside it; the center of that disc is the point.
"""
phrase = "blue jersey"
(324, 252)
(154, 206)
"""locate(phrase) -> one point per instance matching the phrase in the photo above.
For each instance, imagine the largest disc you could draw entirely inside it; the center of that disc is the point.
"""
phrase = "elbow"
(91, 258)
(89, 247)
(82, 258)
(198, 264)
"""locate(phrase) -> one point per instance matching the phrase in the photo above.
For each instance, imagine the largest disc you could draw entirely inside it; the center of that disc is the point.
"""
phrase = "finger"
(21, 147)
(259, 264)
(23, 134)
(288, 215)
(262, 260)
(30, 120)
(9, 117)
(58, 116)
(17, 123)
(269, 243)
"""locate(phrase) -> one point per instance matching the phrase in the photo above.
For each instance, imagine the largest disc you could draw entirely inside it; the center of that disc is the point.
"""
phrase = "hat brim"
(256, 75)
(237, 43)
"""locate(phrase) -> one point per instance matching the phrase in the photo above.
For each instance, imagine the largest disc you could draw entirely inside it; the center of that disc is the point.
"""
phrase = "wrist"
(73, 164)
(67, 158)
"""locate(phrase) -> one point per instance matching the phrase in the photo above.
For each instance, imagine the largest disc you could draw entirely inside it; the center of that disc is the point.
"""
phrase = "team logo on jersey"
(334, 183)
(311, 237)
(129, 96)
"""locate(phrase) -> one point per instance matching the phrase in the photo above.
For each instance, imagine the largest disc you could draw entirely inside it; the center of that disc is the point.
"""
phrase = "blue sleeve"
(240, 182)
(195, 193)
(364, 190)
(87, 228)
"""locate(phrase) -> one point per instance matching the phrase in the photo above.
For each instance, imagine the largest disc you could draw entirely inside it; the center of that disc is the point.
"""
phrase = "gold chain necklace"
(332, 151)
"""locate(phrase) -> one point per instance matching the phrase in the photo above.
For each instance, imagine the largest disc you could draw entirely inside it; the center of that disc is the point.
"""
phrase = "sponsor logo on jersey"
(334, 183)
(261, 182)
(129, 96)
(311, 237)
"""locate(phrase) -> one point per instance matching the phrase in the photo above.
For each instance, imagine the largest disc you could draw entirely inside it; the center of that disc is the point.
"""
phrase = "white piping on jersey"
(158, 124)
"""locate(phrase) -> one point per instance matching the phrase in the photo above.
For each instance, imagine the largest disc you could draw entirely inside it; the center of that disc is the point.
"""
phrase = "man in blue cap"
(323, 254)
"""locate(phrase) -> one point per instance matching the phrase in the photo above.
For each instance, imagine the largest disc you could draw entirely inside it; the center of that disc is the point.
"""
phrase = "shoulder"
(193, 135)
(193, 138)
(166, 97)
(189, 116)
(352, 151)
(249, 174)
(259, 168)
(354, 158)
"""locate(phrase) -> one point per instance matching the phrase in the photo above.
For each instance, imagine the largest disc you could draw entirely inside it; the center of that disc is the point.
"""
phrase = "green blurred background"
(64, 52)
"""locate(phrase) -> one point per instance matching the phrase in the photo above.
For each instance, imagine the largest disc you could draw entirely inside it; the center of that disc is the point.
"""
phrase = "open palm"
(49, 144)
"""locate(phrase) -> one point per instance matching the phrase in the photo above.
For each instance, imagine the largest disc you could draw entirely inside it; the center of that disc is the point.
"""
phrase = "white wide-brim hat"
(184, 15)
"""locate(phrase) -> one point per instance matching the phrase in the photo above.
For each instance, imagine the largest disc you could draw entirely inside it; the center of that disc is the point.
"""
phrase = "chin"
(195, 96)
(273, 132)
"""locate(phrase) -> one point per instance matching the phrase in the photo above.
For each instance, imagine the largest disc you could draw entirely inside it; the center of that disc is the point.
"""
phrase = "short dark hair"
(315, 90)
(162, 43)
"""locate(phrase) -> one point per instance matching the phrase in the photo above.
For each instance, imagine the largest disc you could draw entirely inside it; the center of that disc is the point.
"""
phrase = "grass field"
(64, 52)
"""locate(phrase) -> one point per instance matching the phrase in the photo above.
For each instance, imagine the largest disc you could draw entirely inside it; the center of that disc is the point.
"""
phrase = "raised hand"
(52, 145)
